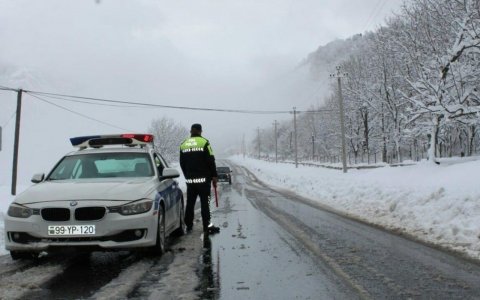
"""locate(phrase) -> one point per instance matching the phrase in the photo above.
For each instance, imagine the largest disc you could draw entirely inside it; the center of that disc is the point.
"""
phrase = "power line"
(140, 104)
(80, 114)
(74, 98)
(375, 8)
(11, 117)
(92, 103)
(162, 105)
(378, 8)
(6, 88)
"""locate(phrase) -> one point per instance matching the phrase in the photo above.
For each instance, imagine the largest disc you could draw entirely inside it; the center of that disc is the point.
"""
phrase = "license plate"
(67, 230)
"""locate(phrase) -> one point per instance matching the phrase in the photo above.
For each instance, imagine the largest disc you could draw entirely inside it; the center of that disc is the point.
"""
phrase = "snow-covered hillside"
(437, 204)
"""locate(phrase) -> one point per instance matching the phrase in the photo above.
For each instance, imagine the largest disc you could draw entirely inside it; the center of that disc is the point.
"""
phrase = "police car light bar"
(97, 141)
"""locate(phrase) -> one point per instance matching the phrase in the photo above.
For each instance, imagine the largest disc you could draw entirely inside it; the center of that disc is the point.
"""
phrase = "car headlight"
(136, 208)
(19, 211)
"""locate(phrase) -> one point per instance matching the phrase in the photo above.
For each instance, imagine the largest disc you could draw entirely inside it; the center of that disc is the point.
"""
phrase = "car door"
(168, 190)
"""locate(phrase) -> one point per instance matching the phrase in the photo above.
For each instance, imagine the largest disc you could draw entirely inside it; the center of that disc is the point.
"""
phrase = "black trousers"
(193, 191)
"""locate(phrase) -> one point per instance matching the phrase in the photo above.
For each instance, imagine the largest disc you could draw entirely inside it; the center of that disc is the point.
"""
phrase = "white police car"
(115, 192)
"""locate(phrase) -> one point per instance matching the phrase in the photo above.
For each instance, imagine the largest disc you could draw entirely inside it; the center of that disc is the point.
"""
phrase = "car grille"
(55, 214)
(89, 213)
(81, 214)
(124, 236)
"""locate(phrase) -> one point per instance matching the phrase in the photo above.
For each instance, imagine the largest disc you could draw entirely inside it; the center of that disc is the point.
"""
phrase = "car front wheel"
(159, 247)
(182, 228)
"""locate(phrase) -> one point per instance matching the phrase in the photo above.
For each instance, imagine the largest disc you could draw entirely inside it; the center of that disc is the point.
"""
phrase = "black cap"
(197, 126)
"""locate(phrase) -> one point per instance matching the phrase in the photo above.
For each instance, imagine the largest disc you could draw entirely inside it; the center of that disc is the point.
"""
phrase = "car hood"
(127, 189)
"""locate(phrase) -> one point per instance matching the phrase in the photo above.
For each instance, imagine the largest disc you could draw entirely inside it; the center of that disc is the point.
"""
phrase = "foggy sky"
(221, 54)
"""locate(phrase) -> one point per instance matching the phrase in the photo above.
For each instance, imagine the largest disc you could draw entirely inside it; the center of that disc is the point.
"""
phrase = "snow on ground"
(439, 204)
(2, 236)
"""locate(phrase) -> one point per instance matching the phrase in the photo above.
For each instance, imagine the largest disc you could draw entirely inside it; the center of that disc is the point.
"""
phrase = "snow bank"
(2, 236)
(438, 204)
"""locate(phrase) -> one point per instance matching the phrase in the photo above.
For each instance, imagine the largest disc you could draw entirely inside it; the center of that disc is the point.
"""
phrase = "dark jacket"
(197, 160)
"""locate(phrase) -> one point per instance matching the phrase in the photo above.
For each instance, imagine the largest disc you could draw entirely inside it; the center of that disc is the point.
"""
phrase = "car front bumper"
(112, 232)
(224, 178)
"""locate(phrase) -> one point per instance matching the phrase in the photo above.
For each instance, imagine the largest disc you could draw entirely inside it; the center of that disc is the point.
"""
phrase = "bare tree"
(168, 137)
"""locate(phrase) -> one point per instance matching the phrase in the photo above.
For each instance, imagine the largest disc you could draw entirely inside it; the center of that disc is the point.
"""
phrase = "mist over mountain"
(45, 128)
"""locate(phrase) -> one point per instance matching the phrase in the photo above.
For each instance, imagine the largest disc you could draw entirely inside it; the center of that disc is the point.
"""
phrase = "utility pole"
(313, 147)
(339, 75)
(295, 135)
(258, 141)
(276, 143)
(16, 142)
(243, 146)
(312, 120)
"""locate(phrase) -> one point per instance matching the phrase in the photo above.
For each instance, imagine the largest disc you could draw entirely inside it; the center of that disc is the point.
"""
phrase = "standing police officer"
(198, 166)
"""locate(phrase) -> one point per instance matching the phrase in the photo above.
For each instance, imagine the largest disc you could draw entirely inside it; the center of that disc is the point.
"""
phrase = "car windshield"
(223, 170)
(103, 165)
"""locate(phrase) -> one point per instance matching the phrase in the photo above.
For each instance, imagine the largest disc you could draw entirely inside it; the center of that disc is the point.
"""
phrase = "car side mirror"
(37, 178)
(169, 173)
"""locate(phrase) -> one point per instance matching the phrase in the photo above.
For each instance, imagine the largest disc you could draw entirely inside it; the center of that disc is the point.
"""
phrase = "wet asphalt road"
(255, 258)
(279, 246)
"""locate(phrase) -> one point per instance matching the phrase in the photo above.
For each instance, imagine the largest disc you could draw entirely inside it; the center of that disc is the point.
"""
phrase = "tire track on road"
(121, 286)
(291, 226)
(82, 275)
(21, 283)
(9, 266)
(381, 263)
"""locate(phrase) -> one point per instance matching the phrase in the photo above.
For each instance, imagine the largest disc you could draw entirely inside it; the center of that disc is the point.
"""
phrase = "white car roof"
(111, 150)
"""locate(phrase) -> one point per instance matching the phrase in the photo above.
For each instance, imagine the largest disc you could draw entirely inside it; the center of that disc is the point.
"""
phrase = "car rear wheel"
(159, 247)
(182, 227)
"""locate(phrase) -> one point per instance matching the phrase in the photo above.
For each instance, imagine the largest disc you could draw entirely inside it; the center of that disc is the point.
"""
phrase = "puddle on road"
(209, 272)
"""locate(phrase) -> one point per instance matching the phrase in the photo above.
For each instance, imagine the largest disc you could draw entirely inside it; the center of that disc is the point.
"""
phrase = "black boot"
(211, 229)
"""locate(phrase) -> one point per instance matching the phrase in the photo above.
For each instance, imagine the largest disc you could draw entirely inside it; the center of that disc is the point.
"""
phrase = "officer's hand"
(214, 181)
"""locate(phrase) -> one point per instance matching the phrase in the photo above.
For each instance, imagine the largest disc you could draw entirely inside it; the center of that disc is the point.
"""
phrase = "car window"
(223, 169)
(67, 169)
(103, 165)
(159, 163)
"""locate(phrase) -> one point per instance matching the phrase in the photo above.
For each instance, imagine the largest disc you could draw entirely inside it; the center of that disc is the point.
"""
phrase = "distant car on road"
(224, 174)
(115, 192)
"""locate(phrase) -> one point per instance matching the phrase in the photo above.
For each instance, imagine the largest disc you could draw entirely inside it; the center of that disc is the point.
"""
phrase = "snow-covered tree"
(442, 39)
(413, 85)
(168, 135)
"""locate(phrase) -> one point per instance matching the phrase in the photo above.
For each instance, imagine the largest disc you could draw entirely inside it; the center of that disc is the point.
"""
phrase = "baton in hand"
(216, 195)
